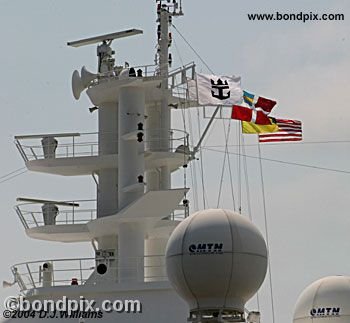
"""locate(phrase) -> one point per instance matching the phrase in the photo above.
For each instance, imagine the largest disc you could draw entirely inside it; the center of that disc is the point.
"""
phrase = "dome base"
(216, 315)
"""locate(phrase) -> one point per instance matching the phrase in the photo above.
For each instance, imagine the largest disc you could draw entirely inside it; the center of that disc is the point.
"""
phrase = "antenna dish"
(217, 244)
(25, 199)
(106, 37)
(325, 300)
(77, 85)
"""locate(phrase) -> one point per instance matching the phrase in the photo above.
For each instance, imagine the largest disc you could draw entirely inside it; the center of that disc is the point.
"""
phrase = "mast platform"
(80, 224)
(76, 154)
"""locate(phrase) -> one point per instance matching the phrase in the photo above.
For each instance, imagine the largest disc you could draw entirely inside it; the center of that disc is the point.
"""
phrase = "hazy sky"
(304, 66)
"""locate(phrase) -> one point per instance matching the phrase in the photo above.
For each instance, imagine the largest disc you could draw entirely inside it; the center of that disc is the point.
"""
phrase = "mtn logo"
(206, 248)
(325, 311)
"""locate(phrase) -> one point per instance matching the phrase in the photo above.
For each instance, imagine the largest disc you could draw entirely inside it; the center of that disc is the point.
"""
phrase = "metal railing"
(81, 271)
(146, 71)
(178, 215)
(31, 215)
(178, 80)
(67, 145)
(150, 70)
(61, 145)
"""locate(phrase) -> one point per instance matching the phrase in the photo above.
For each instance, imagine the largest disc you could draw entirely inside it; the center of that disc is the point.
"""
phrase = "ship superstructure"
(131, 159)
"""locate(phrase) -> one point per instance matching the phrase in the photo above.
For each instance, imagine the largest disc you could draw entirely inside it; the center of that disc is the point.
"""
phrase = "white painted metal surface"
(216, 260)
(325, 300)
(134, 217)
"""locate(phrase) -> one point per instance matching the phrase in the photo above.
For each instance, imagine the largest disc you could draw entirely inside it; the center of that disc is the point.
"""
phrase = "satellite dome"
(216, 261)
(325, 300)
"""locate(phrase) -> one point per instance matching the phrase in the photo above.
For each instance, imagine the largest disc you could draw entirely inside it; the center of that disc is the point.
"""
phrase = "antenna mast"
(166, 10)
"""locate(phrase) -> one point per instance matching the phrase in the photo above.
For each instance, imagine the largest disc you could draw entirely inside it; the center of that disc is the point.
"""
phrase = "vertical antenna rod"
(165, 117)
(165, 15)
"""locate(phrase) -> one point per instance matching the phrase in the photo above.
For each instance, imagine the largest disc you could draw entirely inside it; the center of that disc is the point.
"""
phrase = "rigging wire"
(201, 160)
(223, 164)
(239, 170)
(209, 69)
(194, 186)
(200, 152)
(267, 233)
(229, 164)
(221, 180)
(193, 168)
(194, 190)
(260, 162)
(285, 162)
(13, 176)
(15, 171)
(290, 143)
(250, 215)
(185, 160)
(196, 53)
(178, 53)
(230, 173)
(245, 169)
(186, 163)
(258, 301)
(226, 146)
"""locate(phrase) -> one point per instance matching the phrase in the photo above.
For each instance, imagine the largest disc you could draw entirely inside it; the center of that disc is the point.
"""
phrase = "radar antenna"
(40, 201)
(105, 53)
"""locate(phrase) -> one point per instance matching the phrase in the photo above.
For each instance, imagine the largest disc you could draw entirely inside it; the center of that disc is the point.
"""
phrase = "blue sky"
(304, 66)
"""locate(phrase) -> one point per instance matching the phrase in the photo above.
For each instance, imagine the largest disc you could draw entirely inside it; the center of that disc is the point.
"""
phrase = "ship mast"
(137, 207)
(137, 152)
(132, 105)
(161, 118)
(165, 117)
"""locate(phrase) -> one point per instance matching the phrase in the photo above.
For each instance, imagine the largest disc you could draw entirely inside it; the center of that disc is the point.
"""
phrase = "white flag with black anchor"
(216, 90)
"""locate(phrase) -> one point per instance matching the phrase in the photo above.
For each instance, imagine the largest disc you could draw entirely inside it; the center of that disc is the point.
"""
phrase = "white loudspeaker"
(77, 85)
(80, 83)
(124, 74)
(86, 76)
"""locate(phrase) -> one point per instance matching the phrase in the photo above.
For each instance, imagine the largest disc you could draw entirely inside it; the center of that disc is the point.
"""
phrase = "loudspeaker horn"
(86, 76)
(124, 74)
(77, 85)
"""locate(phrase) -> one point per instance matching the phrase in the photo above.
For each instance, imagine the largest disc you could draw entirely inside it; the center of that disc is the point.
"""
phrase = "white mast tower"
(136, 204)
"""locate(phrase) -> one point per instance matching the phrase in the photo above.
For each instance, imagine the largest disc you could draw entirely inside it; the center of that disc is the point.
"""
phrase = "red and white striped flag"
(288, 130)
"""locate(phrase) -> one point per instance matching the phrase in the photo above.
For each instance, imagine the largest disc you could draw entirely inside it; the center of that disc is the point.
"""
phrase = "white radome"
(216, 259)
(325, 300)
